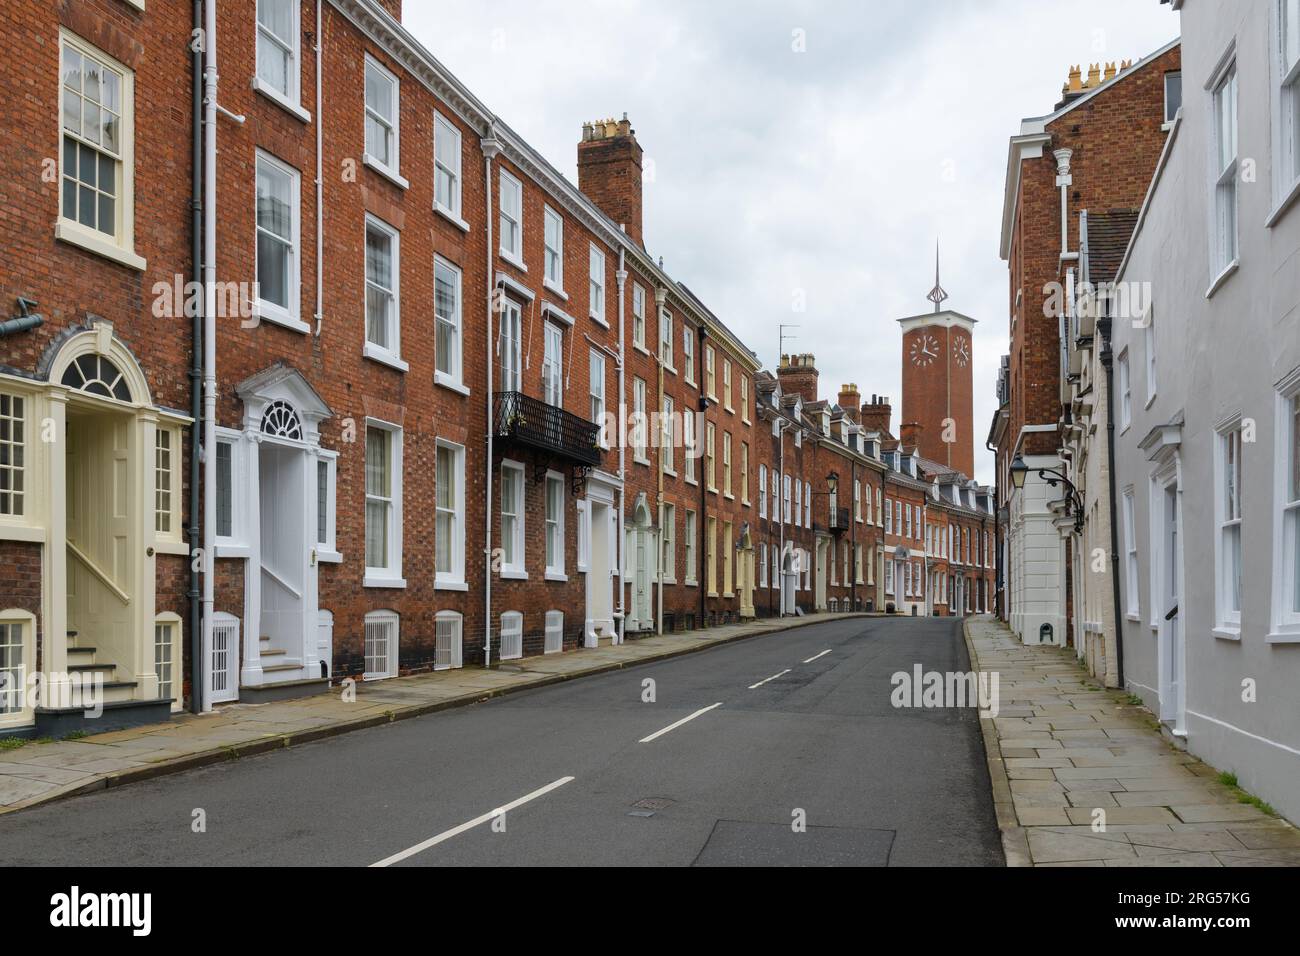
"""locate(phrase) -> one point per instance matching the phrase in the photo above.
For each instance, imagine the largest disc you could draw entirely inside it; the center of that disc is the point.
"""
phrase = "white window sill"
(642, 349)
(514, 260)
(670, 472)
(384, 357)
(1288, 199)
(583, 569)
(77, 235)
(729, 496)
(555, 289)
(451, 217)
(374, 581)
(1222, 277)
(1285, 635)
(638, 460)
(691, 584)
(328, 556)
(450, 586)
(19, 532)
(728, 409)
(599, 320)
(513, 574)
(691, 481)
(1227, 633)
(446, 381)
(171, 547)
(280, 100)
(392, 175)
(232, 551)
(269, 312)
(1150, 401)
(555, 576)
(668, 368)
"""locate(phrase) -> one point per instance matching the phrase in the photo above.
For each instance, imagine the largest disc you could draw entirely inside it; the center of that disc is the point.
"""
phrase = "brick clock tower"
(937, 390)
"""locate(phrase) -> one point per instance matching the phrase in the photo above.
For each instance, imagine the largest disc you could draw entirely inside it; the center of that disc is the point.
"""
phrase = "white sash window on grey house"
(1225, 187)
(1289, 94)
(1228, 518)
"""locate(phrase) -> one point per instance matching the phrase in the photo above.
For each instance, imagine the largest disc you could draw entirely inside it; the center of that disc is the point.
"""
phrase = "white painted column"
(250, 672)
(145, 438)
(54, 597)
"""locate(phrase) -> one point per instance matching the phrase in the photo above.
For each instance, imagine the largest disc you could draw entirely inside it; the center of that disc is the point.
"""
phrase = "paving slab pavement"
(1067, 755)
(37, 772)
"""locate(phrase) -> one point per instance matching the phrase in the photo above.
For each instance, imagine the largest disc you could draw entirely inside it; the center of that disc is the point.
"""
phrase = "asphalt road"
(820, 743)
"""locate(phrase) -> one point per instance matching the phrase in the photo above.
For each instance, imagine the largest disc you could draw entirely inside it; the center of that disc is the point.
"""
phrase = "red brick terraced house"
(296, 387)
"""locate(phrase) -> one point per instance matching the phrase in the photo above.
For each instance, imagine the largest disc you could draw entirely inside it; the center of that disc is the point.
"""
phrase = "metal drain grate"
(654, 803)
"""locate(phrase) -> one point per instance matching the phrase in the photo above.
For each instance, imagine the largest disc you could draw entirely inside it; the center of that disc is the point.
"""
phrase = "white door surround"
(281, 437)
(602, 552)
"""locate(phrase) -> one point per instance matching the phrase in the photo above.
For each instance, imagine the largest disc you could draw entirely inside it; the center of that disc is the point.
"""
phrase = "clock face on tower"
(961, 351)
(925, 349)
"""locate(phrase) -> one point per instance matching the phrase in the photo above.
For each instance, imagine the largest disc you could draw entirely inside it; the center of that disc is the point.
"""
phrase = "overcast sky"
(828, 172)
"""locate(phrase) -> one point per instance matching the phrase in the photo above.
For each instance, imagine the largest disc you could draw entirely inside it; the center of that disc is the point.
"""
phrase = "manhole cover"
(654, 803)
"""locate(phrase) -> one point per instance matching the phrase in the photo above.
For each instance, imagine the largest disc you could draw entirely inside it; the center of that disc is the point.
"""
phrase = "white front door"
(641, 583)
(284, 561)
(1172, 691)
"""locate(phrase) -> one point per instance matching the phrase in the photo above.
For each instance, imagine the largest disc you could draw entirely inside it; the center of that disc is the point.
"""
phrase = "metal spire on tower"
(937, 295)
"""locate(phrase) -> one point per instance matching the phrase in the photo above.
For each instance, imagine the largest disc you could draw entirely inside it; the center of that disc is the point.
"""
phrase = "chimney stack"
(798, 373)
(875, 417)
(850, 401)
(910, 434)
(609, 172)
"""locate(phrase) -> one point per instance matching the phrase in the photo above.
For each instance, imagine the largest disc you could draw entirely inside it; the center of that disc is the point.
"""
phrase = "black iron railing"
(532, 422)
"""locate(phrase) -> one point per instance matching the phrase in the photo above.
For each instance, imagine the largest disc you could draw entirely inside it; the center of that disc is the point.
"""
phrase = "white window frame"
(25, 621)
(120, 246)
(289, 98)
(710, 457)
(744, 473)
(554, 526)
(289, 316)
(668, 548)
(1169, 116)
(689, 530)
(387, 354)
(1225, 199)
(689, 438)
(382, 617)
(517, 569)
(638, 316)
(234, 544)
(167, 500)
(667, 444)
(1149, 341)
(688, 353)
(744, 398)
(327, 547)
(807, 504)
(1227, 522)
(15, 432)
(510, 330)
(596, 377)
(389, 576)
(1124, 385)
(638, 422)
(392, 169)
(726, 386)
(456, 650)
(1286, 573)
(710, 377)
(583, 509)
(454, 378)
(666, 340)
(553, 364)
(1286, 94)
(454, 578)
(552, 250)
(762, 490)
(596, 283)
(509, 186)
(447, 162)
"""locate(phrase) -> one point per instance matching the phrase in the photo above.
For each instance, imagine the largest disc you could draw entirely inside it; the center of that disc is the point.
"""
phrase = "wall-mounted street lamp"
(1053, 478)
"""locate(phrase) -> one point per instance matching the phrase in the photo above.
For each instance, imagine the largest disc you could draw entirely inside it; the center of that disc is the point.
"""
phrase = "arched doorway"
(641, 547)
(745, 571)
(111, 501)
(789, 579)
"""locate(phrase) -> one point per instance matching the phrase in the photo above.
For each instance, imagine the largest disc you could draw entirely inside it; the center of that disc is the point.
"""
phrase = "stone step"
(274, 668)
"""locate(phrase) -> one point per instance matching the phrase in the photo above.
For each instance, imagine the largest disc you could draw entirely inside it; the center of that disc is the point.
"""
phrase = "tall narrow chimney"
(609, 172)
(850, 401)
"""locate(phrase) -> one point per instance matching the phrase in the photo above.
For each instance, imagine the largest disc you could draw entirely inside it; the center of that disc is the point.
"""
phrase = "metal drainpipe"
(196, 375)
(1108, 363)
(698, 434)
(491, 147)
(320, 190)
(210, 77)
(620, 544)
(661, 295)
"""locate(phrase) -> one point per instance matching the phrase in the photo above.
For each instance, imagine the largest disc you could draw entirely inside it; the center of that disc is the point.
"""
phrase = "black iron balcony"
(536, 424)
(838, 523)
